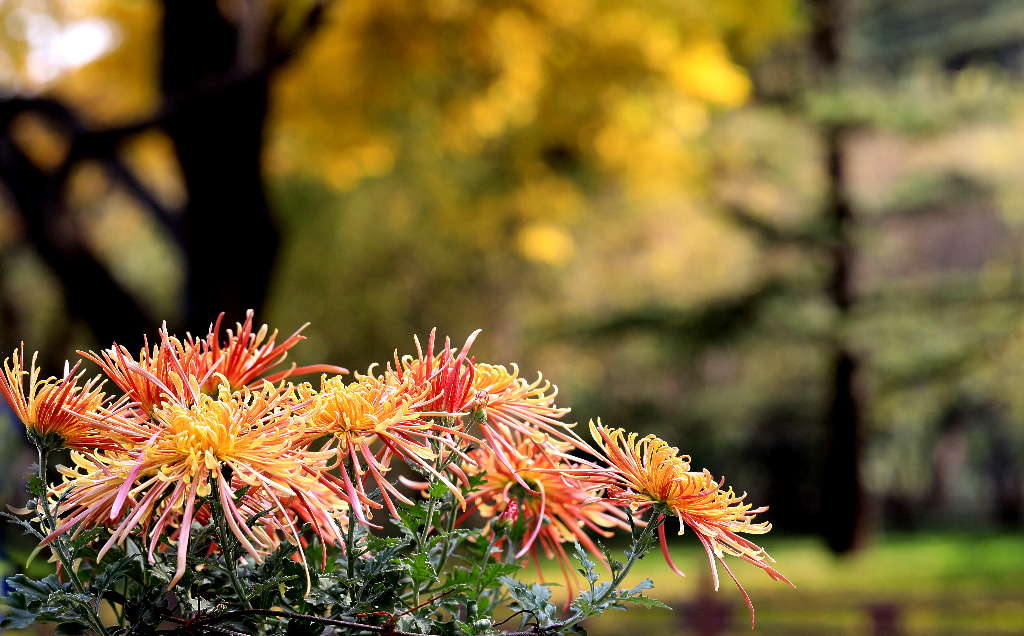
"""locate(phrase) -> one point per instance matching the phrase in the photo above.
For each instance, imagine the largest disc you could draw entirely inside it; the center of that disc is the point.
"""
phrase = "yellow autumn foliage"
(508, 133)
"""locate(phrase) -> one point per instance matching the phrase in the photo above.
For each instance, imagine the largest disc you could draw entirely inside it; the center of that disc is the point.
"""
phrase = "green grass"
(942, 583)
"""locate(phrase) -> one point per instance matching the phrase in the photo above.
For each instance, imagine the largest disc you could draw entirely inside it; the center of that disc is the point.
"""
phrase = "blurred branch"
(121, 173)
(103, 143)
(91, 291)
(85, 144)
(92, 294)
(281, 51)
(772, 234)
(696, 329)
(205, 54)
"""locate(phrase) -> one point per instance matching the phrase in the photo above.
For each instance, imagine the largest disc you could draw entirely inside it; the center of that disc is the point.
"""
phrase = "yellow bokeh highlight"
(704, 71)
(545, 243)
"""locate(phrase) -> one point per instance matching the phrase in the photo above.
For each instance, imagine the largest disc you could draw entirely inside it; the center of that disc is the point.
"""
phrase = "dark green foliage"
(428, 578)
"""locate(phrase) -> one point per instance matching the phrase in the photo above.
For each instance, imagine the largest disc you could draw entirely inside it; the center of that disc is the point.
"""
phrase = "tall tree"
(215, 73)
(842, 487)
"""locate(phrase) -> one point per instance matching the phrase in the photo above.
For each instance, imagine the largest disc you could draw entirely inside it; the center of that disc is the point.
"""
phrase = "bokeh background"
(786, 235)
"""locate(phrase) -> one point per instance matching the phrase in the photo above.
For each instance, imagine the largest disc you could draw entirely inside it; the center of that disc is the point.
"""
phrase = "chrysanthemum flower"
(495, 396)
(515, 402)
(444, 377)
(241, 358)
(246, 356)
(52, 409)
(157, 484)
(557, 508)
(646, 472)
(383, 412)
(455, 382)
(160, 372)
(506, 401)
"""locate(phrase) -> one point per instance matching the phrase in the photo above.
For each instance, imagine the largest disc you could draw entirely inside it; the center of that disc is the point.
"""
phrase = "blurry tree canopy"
(635, 195)
(497, 125)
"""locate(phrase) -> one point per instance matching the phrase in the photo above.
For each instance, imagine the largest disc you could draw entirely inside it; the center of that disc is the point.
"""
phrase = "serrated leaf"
(589, 569)
(84, 537)
(475, 481)
(420, 568)
(412, 517)
(35, 487)
(644, 601)
(16, 618)
(35, 589)
(272, 584)
(532, 599)
(437, 489)
(114, 572)
(646, 584)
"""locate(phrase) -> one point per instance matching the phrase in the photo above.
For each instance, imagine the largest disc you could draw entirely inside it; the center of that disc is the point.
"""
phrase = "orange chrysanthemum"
(386, 412)
(647, 472)
(203, 415)
(445, 377)
(156, 485)
(515, 402)
(246, 356)
(52, 409)
(495, 396)
(454, 382)
(557, 508)
(159, 373)
(243, 358)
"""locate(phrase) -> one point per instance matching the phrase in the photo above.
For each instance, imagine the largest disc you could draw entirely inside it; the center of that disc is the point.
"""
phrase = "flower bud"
(508, 518)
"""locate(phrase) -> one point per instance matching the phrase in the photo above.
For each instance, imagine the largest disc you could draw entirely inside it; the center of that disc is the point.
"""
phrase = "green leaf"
(85, 537)
(644, 601)
(533, 599)
(419, 568)
(113, 573)
(589, 569)
(437, 490)
(34, 590)
(615, 565)
(71, 628)
(35, 487)
(475, 481)
(16, 618)
(646, 584)
(492, 572)
(272, 584)
(412, 517)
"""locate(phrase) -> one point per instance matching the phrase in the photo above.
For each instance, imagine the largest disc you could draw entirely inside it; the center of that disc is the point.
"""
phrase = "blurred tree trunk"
(37, 195)
(230, 238)
(215, 76)
(842, 503)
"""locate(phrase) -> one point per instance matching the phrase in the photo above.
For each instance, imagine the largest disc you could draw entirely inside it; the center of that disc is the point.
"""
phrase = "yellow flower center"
(204, 431)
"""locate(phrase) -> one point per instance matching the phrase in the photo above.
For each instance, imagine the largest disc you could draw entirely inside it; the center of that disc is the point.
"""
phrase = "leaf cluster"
(423, 575)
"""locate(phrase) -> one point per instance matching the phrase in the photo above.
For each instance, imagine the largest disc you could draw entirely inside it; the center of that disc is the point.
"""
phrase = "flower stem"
(230, 562)
(448, 548)
(634, 555)
(57, 545)
(350, 548)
